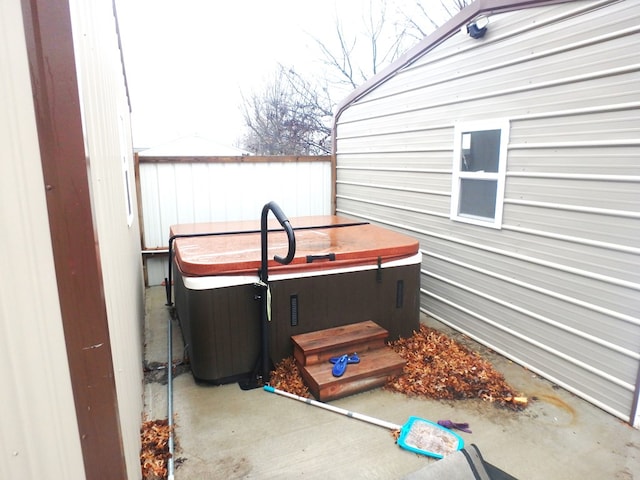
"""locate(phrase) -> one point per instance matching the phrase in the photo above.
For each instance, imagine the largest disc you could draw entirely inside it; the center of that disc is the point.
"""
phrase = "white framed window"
(479, 168)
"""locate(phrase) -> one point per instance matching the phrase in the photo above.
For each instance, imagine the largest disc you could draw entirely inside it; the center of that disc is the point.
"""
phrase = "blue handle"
(269, 388)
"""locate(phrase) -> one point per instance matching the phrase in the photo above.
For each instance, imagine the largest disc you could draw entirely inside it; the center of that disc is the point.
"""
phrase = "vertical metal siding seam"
(536, 316)
(535, 343)
(605, 407)
(589, 306)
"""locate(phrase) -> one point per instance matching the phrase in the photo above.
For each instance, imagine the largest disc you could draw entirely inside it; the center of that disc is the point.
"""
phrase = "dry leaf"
(439, 367)
(286, 376)
(155, 449)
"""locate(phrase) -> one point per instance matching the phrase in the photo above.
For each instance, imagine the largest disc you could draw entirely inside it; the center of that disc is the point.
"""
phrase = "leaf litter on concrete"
(437, 367)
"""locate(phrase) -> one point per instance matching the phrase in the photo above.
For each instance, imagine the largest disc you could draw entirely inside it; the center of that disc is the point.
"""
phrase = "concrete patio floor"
(223, 432)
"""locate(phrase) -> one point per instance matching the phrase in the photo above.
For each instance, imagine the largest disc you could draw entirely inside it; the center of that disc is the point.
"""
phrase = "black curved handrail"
(264, 276)
(291, 238)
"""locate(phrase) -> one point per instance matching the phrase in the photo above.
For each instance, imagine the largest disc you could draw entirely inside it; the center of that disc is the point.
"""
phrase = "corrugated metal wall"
(556, 289)
(105, 112)
(38, 428)
(220, 189)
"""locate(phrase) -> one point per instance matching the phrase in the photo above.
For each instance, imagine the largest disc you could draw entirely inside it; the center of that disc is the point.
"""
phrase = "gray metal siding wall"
(556, 289)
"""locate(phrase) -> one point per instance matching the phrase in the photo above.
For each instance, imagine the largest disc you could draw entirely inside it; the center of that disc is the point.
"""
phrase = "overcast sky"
(188, 61)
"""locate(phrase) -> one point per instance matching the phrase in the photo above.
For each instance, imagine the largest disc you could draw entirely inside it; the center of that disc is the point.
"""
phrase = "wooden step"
(372, 372)
(318, 347)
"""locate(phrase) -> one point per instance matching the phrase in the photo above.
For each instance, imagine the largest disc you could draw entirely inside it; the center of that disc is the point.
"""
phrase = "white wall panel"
(175, 193)
(39, 435)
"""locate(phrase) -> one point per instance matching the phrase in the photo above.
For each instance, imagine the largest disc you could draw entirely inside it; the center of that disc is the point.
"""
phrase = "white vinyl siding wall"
(557, 287)
(39, 435)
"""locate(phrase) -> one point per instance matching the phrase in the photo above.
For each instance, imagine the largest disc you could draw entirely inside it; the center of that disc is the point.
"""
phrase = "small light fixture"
(478, 27)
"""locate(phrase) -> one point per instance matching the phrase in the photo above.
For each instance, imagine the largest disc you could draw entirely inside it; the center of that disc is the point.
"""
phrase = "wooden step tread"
(372, 372)
(319, 346)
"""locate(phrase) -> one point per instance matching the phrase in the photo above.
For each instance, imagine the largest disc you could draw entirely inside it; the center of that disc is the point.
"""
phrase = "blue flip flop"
(340, 363)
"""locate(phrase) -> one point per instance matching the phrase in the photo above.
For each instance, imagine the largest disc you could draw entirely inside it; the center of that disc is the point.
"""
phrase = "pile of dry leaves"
(286, 376)
(439, 367)
(155, 449)
(436, 367)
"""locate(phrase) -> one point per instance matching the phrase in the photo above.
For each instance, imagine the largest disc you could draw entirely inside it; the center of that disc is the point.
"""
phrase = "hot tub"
(343, 272)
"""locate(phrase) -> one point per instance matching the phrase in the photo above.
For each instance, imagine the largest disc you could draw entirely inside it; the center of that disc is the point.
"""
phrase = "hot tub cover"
(322, 242)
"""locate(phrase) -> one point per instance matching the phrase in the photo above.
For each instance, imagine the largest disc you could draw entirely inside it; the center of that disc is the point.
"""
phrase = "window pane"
(478, 198)
(480, 151)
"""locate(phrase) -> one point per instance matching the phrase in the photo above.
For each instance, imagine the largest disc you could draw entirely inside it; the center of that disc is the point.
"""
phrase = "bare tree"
(292, 115)
(430, 15)
(355, 56)
(358, 56)
(288, 117)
